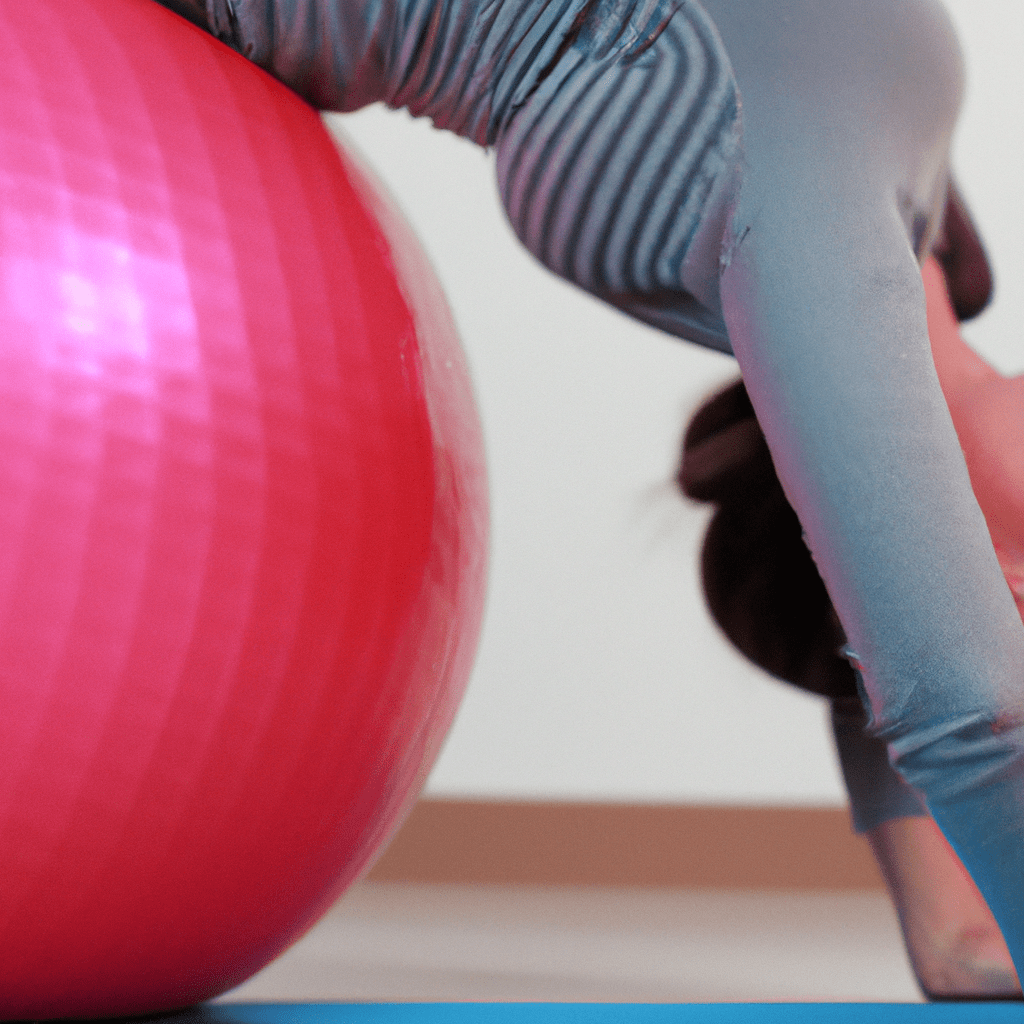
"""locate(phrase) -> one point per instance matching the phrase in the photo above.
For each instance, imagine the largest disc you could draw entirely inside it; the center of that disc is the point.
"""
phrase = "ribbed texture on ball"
(242, 515)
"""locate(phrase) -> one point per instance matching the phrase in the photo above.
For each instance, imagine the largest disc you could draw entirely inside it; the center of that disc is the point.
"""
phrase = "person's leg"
(845, 139)
(764, 592)
(953, 942)
(618, 165)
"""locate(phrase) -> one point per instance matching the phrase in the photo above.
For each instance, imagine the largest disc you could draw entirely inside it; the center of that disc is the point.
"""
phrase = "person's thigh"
(618, 169)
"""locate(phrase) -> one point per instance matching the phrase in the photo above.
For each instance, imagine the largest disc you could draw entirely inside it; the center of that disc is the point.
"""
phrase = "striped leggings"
(619, 160)
(615, 122)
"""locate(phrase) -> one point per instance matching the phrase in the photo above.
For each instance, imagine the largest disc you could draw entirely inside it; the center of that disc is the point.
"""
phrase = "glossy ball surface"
(242, 514)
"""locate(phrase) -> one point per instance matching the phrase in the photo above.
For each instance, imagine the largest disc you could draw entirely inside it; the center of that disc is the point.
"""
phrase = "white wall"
(599, 675)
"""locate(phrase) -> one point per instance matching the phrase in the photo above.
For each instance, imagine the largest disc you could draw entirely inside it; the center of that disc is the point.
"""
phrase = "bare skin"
(952, 939)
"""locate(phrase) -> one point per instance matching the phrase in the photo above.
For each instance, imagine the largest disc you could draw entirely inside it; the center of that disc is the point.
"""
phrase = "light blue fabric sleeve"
(759, 175)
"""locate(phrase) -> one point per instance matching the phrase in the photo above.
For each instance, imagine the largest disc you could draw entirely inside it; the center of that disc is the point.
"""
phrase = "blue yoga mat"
(601, 1013)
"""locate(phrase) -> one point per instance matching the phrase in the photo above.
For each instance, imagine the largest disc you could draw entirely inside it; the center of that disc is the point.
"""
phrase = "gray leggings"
(616, 125)
(758, 176)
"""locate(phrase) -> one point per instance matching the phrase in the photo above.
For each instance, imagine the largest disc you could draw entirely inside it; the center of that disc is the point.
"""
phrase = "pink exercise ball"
(242, 514)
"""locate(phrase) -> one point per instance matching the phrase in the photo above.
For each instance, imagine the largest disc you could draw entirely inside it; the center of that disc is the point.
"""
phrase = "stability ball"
(242, 514)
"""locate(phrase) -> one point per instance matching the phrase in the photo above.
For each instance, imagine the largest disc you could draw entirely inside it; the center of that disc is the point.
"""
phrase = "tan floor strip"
(628, 844)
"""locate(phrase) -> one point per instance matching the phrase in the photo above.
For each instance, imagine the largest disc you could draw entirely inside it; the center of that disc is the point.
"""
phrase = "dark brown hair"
(760, 582)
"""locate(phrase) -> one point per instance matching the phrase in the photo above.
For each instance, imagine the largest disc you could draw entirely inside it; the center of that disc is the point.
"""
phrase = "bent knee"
(615, 171)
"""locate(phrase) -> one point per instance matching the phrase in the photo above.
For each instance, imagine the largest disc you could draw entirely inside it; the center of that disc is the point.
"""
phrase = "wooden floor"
(405, 941)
